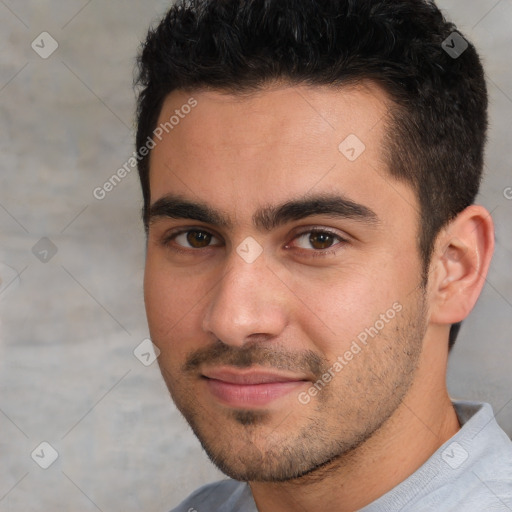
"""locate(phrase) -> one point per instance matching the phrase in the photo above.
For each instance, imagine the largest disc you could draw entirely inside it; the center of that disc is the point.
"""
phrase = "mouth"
(250, 388)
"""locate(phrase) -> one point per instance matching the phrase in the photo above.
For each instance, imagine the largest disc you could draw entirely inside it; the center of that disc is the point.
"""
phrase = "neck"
(423, 422)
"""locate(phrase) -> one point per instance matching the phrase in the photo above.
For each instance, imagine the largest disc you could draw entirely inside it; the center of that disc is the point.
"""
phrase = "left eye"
(196, 239)
(318, 240)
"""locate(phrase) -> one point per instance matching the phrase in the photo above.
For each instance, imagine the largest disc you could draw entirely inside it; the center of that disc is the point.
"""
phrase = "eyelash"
(166, 241)
(315, 253)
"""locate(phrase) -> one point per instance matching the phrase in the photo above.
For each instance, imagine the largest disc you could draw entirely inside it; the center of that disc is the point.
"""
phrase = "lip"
(249, 388)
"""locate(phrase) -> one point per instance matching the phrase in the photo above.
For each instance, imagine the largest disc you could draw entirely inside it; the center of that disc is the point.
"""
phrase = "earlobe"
(461, 261)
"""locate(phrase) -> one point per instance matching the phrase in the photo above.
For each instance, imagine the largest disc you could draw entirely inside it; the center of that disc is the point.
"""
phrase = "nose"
(248, 303)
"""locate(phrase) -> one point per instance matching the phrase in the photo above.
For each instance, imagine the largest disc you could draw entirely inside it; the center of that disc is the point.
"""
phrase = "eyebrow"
(268, 217)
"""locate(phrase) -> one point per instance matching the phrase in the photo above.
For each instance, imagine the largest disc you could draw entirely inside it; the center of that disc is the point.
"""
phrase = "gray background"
(69, 325)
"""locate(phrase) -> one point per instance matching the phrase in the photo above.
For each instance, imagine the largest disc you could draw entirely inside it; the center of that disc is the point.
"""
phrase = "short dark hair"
(438, 121)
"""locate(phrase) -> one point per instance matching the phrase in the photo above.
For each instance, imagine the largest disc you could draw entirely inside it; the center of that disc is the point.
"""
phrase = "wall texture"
(71, 264)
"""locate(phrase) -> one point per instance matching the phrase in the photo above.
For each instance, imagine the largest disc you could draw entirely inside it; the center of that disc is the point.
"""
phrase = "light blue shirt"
(471, 472)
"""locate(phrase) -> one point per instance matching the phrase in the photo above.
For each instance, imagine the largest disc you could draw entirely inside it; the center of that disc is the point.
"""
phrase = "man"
(309, 171)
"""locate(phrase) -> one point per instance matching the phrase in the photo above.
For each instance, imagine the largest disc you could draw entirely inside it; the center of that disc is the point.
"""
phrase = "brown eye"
(321, 240)
(198, 239)
(317, 240)
(193, 239)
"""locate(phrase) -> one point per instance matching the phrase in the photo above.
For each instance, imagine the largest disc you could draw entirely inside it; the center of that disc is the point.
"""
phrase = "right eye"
(194, 239)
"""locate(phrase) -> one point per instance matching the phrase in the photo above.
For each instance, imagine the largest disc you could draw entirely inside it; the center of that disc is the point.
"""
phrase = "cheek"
(349, 303)
(173, 308)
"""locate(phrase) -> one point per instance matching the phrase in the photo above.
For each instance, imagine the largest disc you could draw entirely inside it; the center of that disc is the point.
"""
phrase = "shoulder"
(225, 496)
(476, 465)
(472, 471)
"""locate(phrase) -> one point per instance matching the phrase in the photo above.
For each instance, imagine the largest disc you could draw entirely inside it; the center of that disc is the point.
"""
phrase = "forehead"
(245, 151)
(277, 116)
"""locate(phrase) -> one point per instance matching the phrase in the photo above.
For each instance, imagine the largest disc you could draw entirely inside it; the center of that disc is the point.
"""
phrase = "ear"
(459, 265)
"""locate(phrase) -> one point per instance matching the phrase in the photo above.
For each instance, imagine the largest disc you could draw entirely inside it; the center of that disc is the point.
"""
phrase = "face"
(283, 279)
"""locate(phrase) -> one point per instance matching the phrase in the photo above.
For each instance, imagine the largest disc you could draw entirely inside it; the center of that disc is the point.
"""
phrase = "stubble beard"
(264, 446)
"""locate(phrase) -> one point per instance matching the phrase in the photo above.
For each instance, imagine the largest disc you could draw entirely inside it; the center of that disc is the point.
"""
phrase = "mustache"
(255, 354)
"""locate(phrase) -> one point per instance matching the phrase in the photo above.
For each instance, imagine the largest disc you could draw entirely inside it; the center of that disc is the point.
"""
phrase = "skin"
(305, 299)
